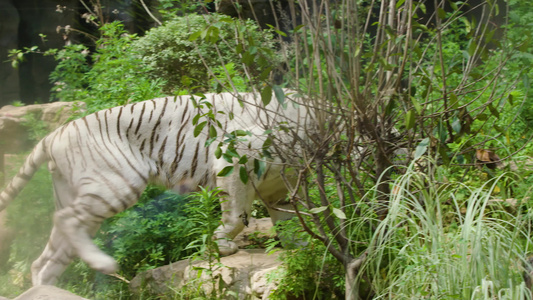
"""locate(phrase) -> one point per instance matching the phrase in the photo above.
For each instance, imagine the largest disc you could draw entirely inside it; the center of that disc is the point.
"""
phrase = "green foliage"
(30, 217)
(169, 9)
(36, 128)
(155, 232)
(204, 214)
(228, 75)
(115, 77)
(17, 103)
(184, 49)
(85, 282)
(418, 252)
(308, 270)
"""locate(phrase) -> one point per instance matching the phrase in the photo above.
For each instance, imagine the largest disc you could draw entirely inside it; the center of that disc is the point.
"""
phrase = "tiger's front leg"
(236, 208)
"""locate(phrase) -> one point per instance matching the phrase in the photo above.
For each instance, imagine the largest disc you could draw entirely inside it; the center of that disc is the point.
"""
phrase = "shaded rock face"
(243, 273)
(13, 133)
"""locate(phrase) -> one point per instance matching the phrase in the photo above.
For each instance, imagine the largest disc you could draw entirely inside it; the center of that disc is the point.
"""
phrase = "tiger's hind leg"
(58, 252)
(53, 261)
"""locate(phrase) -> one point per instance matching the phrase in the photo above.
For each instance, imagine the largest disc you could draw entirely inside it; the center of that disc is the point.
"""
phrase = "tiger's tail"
(36, 158)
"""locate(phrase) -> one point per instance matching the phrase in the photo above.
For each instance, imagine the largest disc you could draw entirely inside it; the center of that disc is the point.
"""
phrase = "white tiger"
(101, 163)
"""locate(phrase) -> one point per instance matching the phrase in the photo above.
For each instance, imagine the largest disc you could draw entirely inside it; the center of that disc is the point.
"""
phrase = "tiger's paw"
(226, 247)
(105, 264)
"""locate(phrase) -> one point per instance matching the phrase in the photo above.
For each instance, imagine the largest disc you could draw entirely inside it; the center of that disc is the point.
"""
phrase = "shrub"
(307, 272)
(153, 233)
(115, 77)
(172, 52)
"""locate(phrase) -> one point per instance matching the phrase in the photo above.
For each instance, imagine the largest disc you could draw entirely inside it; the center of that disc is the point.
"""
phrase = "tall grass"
(432, 245)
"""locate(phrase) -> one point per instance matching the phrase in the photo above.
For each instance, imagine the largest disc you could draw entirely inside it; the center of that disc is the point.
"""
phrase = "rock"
(244, 273)
(14, 135)
(47, 292)
(54, 114)
(12, 130)
(255, 234)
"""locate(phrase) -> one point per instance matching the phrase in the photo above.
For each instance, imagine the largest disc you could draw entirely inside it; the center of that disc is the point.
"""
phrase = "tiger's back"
(127, 147)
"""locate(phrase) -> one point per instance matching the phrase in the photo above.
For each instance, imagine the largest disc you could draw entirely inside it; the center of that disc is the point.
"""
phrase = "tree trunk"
(352, 280)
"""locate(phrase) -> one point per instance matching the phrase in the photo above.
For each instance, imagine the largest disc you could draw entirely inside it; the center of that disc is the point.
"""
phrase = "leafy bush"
(153, 233)
(30, 217)
(113, 75)
(308, 271)
(174, 51)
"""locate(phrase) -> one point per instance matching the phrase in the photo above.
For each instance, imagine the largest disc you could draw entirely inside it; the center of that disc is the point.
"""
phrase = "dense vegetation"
(418, 185)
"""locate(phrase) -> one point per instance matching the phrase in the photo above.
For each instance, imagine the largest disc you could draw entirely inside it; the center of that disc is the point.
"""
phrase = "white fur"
(101, 163)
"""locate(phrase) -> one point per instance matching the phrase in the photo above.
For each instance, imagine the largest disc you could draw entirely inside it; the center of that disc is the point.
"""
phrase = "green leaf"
(456, 125)
(317, 210)
(453, 5)
(243, 160)
(226, 171)
(399, 3)
(443, 151)
(218, 152)
(247, 58)
(243, 174)
(339, 213)
(454, 102)
(494, 111)
(297, 28)
(482, 117)
(239, 48)
(422, 7)
(199, 128)
(259, 167)
(195, 35)
(266, 95)
(278, 91)
(195, 119)
(441, 13)
(410, 120)
(468, 26)
(416, 105)
(212, 131)
(421, 148)
(232, 152)
(240, 132)
(472, 47)
(267, 143)
(499, 128)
